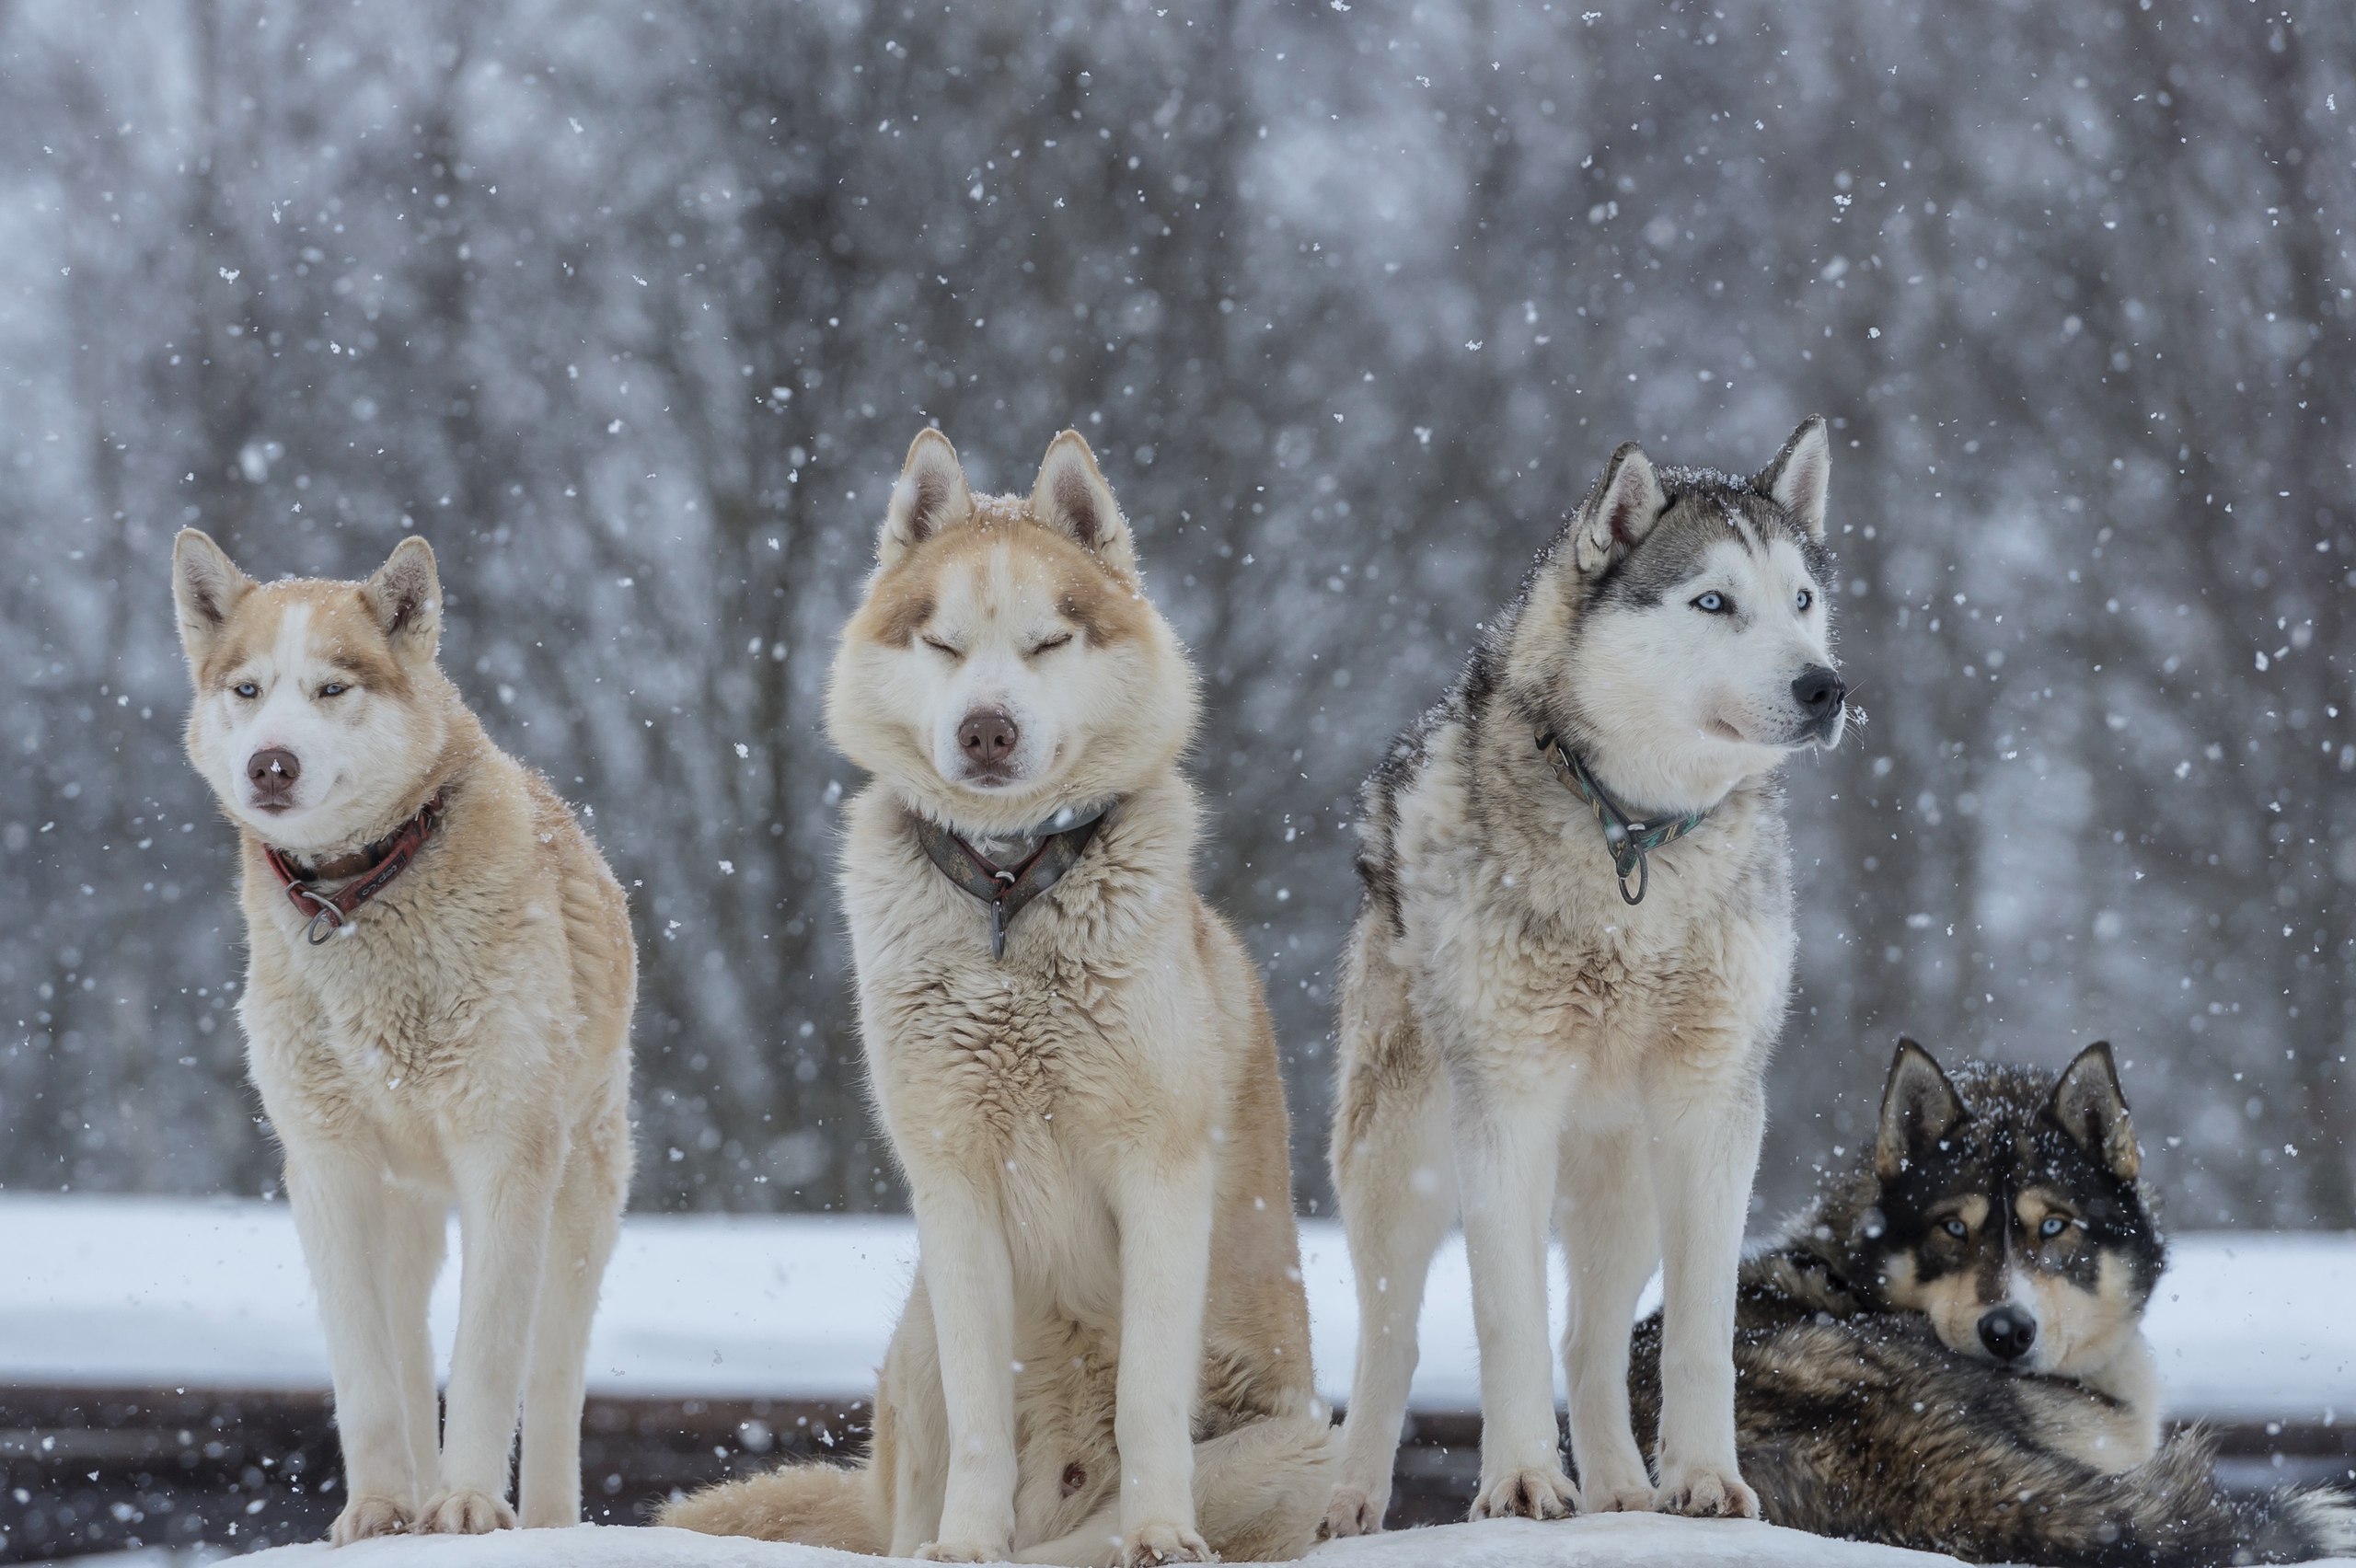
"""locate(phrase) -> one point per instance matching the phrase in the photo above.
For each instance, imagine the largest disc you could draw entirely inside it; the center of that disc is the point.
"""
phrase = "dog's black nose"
(273, 773)
(988, 737)
(1820, 691)
(2007, 1331)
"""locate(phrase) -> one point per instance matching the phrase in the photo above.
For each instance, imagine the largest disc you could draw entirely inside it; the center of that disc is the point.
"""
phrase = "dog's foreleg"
(1705, 1151)
(908, 1405)
(338, 1194)
(1611, 1241)
(507, 1183)
(409, 1256)
(1505, 1152)
(1398, 1191)
(580, 1240)
(970, 1277)
(1165, 1213)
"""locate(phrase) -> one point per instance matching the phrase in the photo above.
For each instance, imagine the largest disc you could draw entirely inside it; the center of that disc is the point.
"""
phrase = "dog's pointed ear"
(206, 585)
(1618, 512)
(1797, 480)
(2089, 1105)
(932, 495)
(1919, 1107)
(405, 596)
(1071, 497)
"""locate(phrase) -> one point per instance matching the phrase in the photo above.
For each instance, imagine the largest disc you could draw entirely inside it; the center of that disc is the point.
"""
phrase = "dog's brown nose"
(988, 737)
(273, 773)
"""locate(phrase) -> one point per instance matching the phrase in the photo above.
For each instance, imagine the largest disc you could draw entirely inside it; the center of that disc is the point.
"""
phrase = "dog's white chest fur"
(390, 1020)
(1517, 933)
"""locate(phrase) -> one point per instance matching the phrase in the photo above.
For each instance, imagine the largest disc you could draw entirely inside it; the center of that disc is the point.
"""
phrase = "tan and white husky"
(437, 1006)
(1104, 1357)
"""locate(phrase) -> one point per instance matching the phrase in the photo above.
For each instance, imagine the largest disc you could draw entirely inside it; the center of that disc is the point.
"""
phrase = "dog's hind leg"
(1704, 1152)
(338, 1194)
(580, 1240)
(507, 1175)
(1507, 1138)
(409, 1256)
(1260, 1490)
(1611, 1241)
(1397, 1182)
(1258, 1494)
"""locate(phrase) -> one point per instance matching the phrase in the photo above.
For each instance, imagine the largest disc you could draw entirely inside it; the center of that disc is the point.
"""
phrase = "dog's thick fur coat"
(466, 1035)
(1868, 1405)
(1514, 1031)
(1105, 1354)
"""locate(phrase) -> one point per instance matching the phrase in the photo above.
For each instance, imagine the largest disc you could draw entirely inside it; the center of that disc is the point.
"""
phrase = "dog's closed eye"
(1050, 645)
(940, 647)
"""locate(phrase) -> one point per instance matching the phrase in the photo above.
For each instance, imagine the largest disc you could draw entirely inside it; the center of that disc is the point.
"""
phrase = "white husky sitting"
(437, 1005)
(1572, 960)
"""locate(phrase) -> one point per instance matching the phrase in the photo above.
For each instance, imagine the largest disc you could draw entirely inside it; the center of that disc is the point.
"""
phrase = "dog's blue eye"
(333, 688)
(247, 690)
(2054, 1226)
(1713, 603)
(1957, 1228)
(1806, 598)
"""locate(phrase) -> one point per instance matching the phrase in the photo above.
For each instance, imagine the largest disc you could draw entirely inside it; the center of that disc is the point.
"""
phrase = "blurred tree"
(633, 312)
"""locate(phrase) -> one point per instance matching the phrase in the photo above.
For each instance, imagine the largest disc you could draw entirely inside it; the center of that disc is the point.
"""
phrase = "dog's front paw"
(464, 1510)
(1616, 1497)
(1705, 1492)
(1350, 1512)
(1524, 1494)
(370, 1514)
(1150, 1545)
(964, 1551)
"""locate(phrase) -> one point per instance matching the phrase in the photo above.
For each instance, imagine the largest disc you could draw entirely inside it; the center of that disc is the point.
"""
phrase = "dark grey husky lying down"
(1946, 1350)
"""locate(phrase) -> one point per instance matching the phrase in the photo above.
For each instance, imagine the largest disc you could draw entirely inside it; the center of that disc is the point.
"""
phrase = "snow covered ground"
(151, 1292)
(1609, 1540)
(157, 1292)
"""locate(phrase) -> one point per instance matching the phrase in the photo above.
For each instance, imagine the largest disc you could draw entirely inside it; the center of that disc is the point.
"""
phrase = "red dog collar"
(381, 863)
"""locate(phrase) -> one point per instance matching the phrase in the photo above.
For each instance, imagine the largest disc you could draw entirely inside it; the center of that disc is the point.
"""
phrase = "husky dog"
(1104, 1357)
(438, 989)
(1572, 960)
(1947, 1350)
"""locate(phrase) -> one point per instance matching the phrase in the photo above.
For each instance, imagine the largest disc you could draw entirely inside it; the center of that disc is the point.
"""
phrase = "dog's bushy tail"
(2179, 1516)
(816, 1504)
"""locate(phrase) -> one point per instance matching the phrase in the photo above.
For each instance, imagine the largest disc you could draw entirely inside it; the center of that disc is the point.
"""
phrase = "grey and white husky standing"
(1571, 964)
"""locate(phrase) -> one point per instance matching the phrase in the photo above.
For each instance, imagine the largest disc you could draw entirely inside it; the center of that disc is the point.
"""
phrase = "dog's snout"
(986, 738)
(2007, 1331)
(1820, 691)
(272, 771)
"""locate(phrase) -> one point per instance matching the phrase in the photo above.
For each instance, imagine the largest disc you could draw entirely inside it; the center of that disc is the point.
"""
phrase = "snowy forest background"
(632, 311)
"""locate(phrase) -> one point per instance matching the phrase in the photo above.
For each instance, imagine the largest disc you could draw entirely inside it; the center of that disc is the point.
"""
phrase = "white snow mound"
(1600, 1540)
